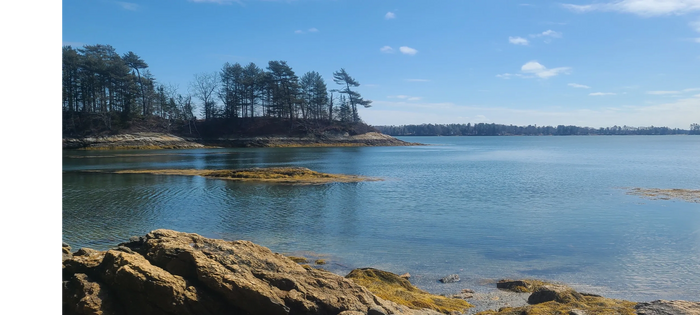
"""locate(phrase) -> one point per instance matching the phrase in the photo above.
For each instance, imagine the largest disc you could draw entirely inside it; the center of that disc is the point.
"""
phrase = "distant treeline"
(483, 129)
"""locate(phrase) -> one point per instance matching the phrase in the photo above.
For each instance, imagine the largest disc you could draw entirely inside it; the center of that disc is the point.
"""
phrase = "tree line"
(99, 81)
(492, 129)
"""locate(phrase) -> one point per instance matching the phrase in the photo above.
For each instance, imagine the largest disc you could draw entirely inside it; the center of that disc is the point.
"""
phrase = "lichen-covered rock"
(663, 307)
(392, 287)
(552, 292)
(168, 272)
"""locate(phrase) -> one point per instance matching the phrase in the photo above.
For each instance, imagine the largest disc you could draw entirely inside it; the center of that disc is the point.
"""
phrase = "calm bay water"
(482, 207)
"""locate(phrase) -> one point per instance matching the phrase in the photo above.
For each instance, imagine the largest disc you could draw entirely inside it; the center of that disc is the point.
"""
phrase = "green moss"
(389, 286)
(320, 261)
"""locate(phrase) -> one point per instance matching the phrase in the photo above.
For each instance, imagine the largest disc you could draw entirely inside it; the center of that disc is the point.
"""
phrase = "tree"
(354, 98)
(135, 62)
(204, 87)
(285, 87)
(314, 95)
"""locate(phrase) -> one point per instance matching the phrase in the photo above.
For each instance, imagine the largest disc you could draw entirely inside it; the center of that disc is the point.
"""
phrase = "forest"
(105, 92)
(486, 129)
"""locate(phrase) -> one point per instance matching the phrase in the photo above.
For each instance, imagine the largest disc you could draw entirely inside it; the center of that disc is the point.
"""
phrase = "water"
(482, 207)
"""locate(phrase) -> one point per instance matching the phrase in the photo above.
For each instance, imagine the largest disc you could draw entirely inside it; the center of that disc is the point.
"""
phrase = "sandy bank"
(688, 195)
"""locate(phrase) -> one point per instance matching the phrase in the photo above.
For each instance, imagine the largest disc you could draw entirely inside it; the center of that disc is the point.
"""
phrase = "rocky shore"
(169, 272)
(167, 141)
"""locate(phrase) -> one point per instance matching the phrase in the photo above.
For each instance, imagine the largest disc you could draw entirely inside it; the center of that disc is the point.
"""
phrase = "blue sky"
(582, 62)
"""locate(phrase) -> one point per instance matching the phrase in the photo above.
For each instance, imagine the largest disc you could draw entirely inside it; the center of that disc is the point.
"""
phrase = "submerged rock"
(450, 279)
(169, 272)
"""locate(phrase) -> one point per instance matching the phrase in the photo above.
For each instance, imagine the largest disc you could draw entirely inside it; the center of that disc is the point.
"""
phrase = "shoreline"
(163, 259)
(155, 141)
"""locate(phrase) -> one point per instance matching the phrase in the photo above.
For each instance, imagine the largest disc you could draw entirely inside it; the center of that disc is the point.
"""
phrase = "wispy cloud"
(663, 92)
(695, 25)
(579, 86)
(311, 30)
(416, 80)
(602, 94)
(547, 33)
(518, 41)
(510, 75)
(128, 5)
(536, 68)
(673, 92)
(387, 50)
(408, 50)
(390, 16)
(406, 97)
(640, 7)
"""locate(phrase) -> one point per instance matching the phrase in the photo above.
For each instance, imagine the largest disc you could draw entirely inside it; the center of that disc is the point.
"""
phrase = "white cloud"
(691, 90)
(128, 5)
(313, 30)
(518, 41)
(579, 86)
(663, 92)
(602, 94)
(548, 33)
(640, 7)
(298, 32)
(536, 68)
(408, 50)
(417, 80)
(387, 50)
(390, 16)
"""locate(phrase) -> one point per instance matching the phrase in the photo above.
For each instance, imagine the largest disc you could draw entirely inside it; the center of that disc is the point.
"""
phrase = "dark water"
(481, 207)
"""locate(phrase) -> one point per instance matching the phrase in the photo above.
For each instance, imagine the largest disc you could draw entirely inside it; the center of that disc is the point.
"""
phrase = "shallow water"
(482, 207)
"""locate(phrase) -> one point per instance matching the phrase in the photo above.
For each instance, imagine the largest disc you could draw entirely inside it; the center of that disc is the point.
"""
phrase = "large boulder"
(169, 272)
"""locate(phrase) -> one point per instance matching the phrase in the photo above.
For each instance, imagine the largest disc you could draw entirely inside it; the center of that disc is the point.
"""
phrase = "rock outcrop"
(393, 287)
(148, 140)
(145, 140)
(663, 307)
(549, 298)
(168, 272)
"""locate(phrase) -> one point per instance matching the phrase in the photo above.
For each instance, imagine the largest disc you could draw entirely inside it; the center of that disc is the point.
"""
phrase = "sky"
(594, 63)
